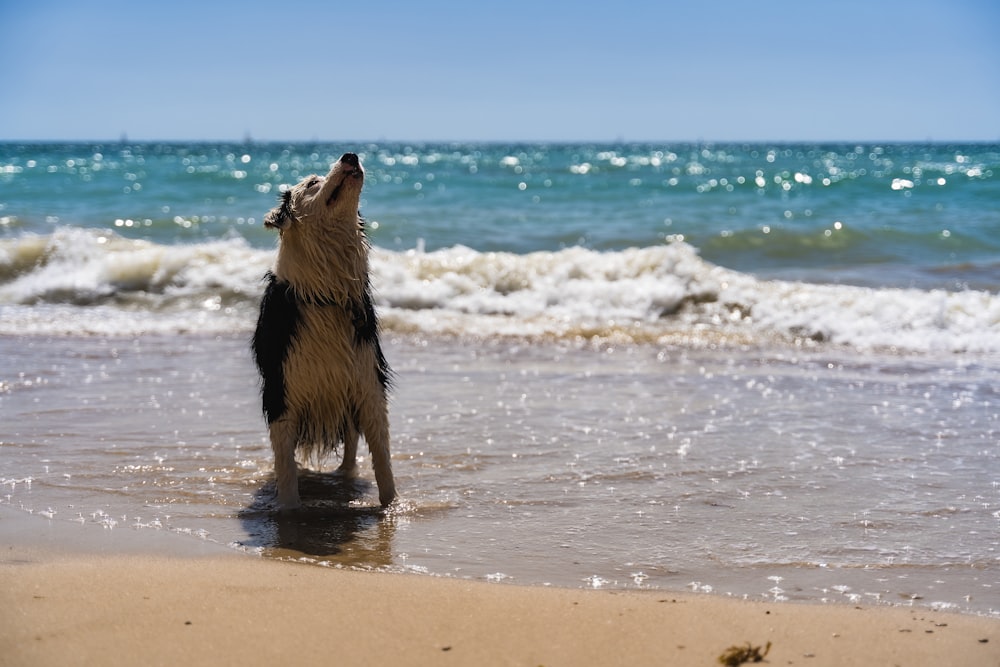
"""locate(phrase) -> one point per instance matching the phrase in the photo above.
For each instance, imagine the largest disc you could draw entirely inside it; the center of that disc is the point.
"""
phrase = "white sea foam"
(665, 293)
(80, 281)
(91, 282)
(87, 266)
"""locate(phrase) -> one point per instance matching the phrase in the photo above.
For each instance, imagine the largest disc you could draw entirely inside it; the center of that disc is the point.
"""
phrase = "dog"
(324, 378)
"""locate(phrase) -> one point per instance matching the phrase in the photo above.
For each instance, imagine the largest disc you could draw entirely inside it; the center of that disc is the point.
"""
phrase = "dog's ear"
(280, 216)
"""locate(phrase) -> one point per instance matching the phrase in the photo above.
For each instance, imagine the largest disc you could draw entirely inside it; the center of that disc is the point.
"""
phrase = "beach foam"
(87, 281)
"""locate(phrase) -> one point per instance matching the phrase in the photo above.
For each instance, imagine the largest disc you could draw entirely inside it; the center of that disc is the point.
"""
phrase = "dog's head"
(320, 198)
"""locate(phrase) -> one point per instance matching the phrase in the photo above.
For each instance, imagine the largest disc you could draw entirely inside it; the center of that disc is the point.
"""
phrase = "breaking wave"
(80, 281)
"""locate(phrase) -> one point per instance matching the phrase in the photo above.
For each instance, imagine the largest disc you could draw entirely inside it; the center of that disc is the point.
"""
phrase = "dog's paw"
(285, 505)
(386, 497)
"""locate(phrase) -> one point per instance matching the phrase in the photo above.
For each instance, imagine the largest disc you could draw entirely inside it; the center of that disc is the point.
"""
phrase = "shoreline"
(124, 602)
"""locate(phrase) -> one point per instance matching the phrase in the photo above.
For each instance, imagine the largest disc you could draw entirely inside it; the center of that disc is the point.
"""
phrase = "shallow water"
(783, 473)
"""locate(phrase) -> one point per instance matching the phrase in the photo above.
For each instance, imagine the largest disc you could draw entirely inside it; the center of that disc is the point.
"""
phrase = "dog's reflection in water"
(329, 526)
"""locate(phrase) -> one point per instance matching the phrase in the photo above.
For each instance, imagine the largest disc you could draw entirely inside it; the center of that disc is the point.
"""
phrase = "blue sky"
(520, 70)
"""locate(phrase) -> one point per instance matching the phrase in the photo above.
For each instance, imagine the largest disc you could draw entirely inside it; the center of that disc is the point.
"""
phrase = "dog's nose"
(349, 158)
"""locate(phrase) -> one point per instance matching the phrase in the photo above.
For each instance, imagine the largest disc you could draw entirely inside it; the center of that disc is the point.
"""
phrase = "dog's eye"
(312, 182)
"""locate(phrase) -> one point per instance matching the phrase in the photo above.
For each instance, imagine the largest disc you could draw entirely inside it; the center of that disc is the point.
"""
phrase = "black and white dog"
(325, 379)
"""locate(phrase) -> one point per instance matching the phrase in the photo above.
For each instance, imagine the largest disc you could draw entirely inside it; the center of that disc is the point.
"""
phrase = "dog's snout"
(350, 159)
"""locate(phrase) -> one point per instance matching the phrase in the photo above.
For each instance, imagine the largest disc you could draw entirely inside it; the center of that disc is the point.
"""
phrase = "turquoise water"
(894, 214)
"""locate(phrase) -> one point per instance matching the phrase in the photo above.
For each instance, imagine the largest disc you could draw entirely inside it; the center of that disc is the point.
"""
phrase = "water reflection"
(334, 524)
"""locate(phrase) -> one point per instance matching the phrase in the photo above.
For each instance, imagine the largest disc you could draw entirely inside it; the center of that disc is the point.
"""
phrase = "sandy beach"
(121, 604)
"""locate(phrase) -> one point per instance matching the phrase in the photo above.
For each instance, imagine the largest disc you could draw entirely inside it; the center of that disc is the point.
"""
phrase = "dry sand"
(134, 609)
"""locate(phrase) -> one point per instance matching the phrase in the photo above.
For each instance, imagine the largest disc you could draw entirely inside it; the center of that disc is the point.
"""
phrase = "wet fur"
(324, 377)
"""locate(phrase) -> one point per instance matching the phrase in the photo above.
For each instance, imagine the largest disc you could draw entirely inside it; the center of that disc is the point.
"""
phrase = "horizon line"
(124, 139)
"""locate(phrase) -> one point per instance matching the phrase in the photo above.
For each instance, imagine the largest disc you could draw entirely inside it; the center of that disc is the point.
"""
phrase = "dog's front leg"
(283, 441)
(383, 471)
(375, 424)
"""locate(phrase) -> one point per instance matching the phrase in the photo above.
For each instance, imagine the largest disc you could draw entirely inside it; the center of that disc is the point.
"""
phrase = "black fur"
(279, 216)
(366, 324)
(276, 328)
(286, 205)
(366, 331)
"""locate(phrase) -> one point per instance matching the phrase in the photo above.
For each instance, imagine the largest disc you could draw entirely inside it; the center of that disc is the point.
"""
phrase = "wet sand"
(125, 604)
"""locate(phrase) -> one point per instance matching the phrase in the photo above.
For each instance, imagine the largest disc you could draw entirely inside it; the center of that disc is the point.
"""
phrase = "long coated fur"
(324, 377)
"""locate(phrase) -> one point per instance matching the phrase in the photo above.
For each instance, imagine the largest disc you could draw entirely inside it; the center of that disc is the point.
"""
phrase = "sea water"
(761, 370)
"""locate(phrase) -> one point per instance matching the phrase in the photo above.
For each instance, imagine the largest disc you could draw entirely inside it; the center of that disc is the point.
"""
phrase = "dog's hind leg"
(284, 436)
(349, 466)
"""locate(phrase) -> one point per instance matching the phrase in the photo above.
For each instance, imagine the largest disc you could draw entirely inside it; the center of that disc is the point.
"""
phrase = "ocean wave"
(91, 267)
(78, 281)
(667, 294)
